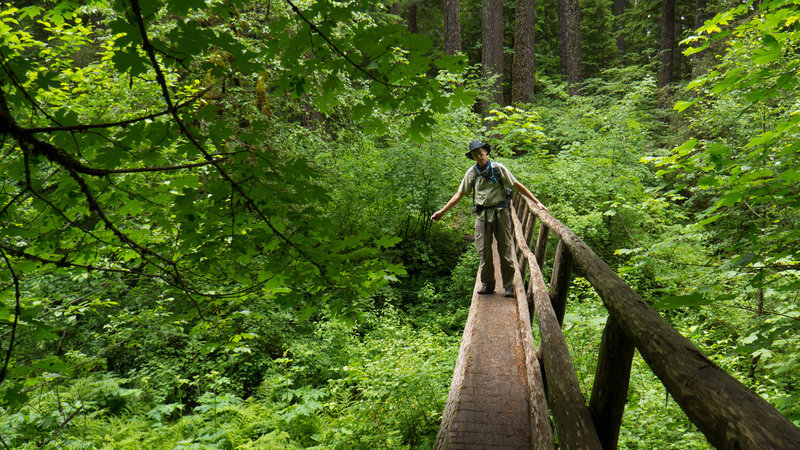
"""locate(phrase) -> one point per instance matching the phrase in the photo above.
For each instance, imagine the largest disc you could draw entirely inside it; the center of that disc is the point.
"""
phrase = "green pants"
(500, 228)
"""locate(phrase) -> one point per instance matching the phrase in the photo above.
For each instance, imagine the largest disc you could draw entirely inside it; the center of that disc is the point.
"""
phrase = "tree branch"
(120, 123)
(64, 263)
(17, 312)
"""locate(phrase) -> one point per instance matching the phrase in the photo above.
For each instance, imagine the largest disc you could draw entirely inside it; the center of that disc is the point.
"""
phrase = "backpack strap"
(495, 178)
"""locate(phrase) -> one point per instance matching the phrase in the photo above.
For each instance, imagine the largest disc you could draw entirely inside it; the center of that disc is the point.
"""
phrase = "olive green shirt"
(487, 193)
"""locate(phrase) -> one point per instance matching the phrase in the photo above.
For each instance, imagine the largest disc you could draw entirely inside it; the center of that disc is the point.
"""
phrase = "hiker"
(488, 183)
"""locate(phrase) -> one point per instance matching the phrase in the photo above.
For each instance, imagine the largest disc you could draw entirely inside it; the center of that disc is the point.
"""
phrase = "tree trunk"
(699, 21)
(452, 27)
(667, 42)
(522, 72)
(569, 37)
(677, 55)
(699, 13)
(611, 380)
(412, 18)
(492, 54)
(619, 9)
(395, 9)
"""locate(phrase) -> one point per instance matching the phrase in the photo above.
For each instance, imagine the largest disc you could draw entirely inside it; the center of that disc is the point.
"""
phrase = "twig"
(766, 312)
(68, 420)
(17, 313)
(120, 123)
(67, 264)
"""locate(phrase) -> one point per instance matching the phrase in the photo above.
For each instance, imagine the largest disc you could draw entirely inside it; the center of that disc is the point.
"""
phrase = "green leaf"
(709, 220)
(15, 395)
(388, 241)
(692, 50)
(744, 259)
(686, 147)
(682, 105)
(770, 52)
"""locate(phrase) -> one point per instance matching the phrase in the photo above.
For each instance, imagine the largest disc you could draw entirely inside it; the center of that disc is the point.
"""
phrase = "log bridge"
(499, 398)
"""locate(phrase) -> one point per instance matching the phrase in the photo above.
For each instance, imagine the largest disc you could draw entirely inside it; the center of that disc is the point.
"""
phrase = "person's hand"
(437, 215)
(543, 207)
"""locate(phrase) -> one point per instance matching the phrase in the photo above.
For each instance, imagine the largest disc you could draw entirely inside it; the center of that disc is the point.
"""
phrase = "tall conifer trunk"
(700, 17)
(452, 27)
(522, 72)
(492, 54)
(667, 46)
(569, 37)
(412, 18)
(619, 9)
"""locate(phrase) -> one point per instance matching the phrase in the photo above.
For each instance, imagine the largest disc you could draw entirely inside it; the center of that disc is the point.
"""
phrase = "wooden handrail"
(541, 433)
(728, 413)
(573, 419)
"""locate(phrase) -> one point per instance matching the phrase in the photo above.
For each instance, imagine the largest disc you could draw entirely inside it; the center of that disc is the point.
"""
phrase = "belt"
(477, 209)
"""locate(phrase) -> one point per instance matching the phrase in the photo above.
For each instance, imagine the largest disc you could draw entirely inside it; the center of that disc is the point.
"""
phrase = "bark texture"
(522, 72)
(619, 9)
(560, 281)
(573, 421)
(492, 53)
(452, 27)
(412, 18)
(569, 38)
(610, 389)
(667, 42)
(541, 432)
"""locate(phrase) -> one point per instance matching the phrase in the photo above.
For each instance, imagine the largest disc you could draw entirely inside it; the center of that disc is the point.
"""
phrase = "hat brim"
(486, 146)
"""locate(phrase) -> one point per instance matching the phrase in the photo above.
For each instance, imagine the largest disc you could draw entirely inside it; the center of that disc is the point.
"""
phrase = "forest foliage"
(214, 214)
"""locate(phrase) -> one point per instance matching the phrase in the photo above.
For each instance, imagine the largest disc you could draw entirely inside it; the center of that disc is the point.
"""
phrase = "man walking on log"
(488, 181)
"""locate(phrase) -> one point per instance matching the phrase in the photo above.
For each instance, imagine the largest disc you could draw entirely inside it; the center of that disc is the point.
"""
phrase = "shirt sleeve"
(508, 178)
(467, 183)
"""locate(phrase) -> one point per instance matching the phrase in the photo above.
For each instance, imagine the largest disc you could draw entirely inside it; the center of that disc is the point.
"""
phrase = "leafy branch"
(161, 80)
(340, 51)
(119, 123)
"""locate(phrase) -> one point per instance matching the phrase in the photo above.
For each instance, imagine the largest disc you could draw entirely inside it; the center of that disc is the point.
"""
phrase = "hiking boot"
(509, 292)
(486, 288)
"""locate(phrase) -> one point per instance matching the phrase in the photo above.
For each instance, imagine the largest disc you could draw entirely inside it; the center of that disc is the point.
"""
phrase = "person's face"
(479, 155)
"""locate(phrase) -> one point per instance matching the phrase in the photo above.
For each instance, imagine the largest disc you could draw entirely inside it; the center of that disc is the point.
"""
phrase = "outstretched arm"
(438, 214)
(524, 191)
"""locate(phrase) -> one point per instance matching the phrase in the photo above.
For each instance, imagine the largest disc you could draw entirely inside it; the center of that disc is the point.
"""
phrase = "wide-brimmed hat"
(477, 144)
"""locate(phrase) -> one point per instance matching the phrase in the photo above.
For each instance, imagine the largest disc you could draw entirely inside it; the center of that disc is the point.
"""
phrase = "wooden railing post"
(525, 219)
(527, 232)
(541, 245)
(560, 280)
(610, 389)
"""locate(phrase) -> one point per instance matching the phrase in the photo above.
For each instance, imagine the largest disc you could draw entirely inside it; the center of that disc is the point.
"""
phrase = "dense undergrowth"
(333, 318)
(275, 376)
